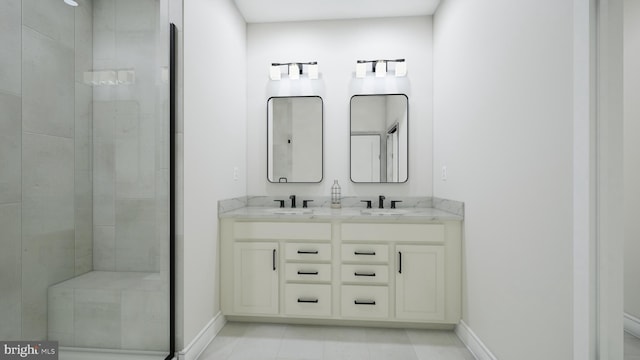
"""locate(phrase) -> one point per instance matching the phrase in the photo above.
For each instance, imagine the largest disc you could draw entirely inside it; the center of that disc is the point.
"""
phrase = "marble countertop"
(414, 214)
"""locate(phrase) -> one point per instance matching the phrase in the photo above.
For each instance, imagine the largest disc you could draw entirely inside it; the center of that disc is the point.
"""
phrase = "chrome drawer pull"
(314, 301)
(371, 253)
(364, 274)
(307, 273)
(367, 302)
(315, 252)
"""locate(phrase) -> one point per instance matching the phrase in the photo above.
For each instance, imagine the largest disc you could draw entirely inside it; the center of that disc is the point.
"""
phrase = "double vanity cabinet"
(337, 268)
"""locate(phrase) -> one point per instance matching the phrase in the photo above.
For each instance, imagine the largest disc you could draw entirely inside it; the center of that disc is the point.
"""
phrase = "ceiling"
(257, 11)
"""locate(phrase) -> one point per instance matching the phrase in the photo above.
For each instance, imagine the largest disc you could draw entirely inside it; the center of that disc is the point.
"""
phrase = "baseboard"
(473, 343)
(204, 337)
(632, 325)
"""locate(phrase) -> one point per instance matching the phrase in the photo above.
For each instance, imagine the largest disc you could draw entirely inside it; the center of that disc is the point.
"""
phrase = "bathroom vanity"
(347, 265)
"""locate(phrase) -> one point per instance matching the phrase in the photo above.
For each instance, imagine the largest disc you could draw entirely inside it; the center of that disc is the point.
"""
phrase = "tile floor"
(631, 347)
(248, 341)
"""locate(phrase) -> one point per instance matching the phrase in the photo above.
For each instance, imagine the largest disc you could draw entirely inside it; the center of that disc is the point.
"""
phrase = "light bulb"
(313, 71)
(294, 72)
(361, 69)
(381, 68)
(401, 69)
(274, 72)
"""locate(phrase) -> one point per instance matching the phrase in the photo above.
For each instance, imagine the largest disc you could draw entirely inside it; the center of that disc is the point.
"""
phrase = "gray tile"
(389, 344)
(47, 85)
(257, 342)
(137, 247)
(83, 126)
(47, 185)
(104, 113)
(104, 15)
(83, 39)
(104, 248)
(631, 345)
(10, 148)
(83, 222)
(47, 259)
(145, 320)
(135, 16)
(97, 318)
(300, 341)
(10, 272)
(135, 161)
(223, 344)
(138, 51)
(346, 344)
(260, 341)
(11, 40)
(53, 19)
(47, 224)
(60, 302)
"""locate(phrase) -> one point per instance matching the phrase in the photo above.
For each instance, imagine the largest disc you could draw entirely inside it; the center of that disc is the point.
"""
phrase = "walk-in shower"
(85, 174)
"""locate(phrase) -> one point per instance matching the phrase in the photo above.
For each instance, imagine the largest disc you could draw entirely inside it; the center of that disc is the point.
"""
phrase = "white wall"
(336, 45)
(503, 127)
(214, 143)
(631, 156)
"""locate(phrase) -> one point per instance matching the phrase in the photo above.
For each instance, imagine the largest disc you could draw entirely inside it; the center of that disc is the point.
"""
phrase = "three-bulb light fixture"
(294, 69)
(379, 68)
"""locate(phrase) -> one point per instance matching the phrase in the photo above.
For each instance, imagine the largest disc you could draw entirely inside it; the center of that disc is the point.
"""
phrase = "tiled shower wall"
(45, 157)
(130, 138)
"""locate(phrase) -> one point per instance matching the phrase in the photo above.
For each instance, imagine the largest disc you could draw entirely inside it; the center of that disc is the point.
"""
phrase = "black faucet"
(381, 202)
(293, 201)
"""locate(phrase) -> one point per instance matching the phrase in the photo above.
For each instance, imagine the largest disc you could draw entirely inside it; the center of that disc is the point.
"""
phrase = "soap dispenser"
(335, 195)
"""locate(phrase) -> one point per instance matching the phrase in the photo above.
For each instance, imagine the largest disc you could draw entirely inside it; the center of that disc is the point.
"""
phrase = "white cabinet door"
(420, 290)
(255, 278)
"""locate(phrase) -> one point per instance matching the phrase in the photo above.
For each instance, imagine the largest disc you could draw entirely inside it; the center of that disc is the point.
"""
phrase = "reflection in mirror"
(379, 138)
(294, 139)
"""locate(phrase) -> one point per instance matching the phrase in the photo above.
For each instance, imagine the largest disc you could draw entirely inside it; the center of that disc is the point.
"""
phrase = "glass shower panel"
(130, 180)
(84, 203)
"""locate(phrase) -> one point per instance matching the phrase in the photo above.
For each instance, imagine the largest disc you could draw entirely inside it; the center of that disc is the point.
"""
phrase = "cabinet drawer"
(282, 231)
(365, 301)
(309, 300)
(433, 233)
(365, 273)
(308, 272)
(365, 253)
(310, 251)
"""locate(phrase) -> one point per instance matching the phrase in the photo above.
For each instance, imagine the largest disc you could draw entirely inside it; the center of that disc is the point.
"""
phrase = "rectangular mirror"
(294, 139)
(379, 138)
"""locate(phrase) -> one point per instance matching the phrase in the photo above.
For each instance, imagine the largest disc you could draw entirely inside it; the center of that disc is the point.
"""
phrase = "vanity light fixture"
(294, 69)
(381, 67)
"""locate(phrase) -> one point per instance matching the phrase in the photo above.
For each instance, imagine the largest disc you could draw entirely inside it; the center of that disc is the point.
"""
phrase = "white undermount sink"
(383, 212)
(285, 211)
